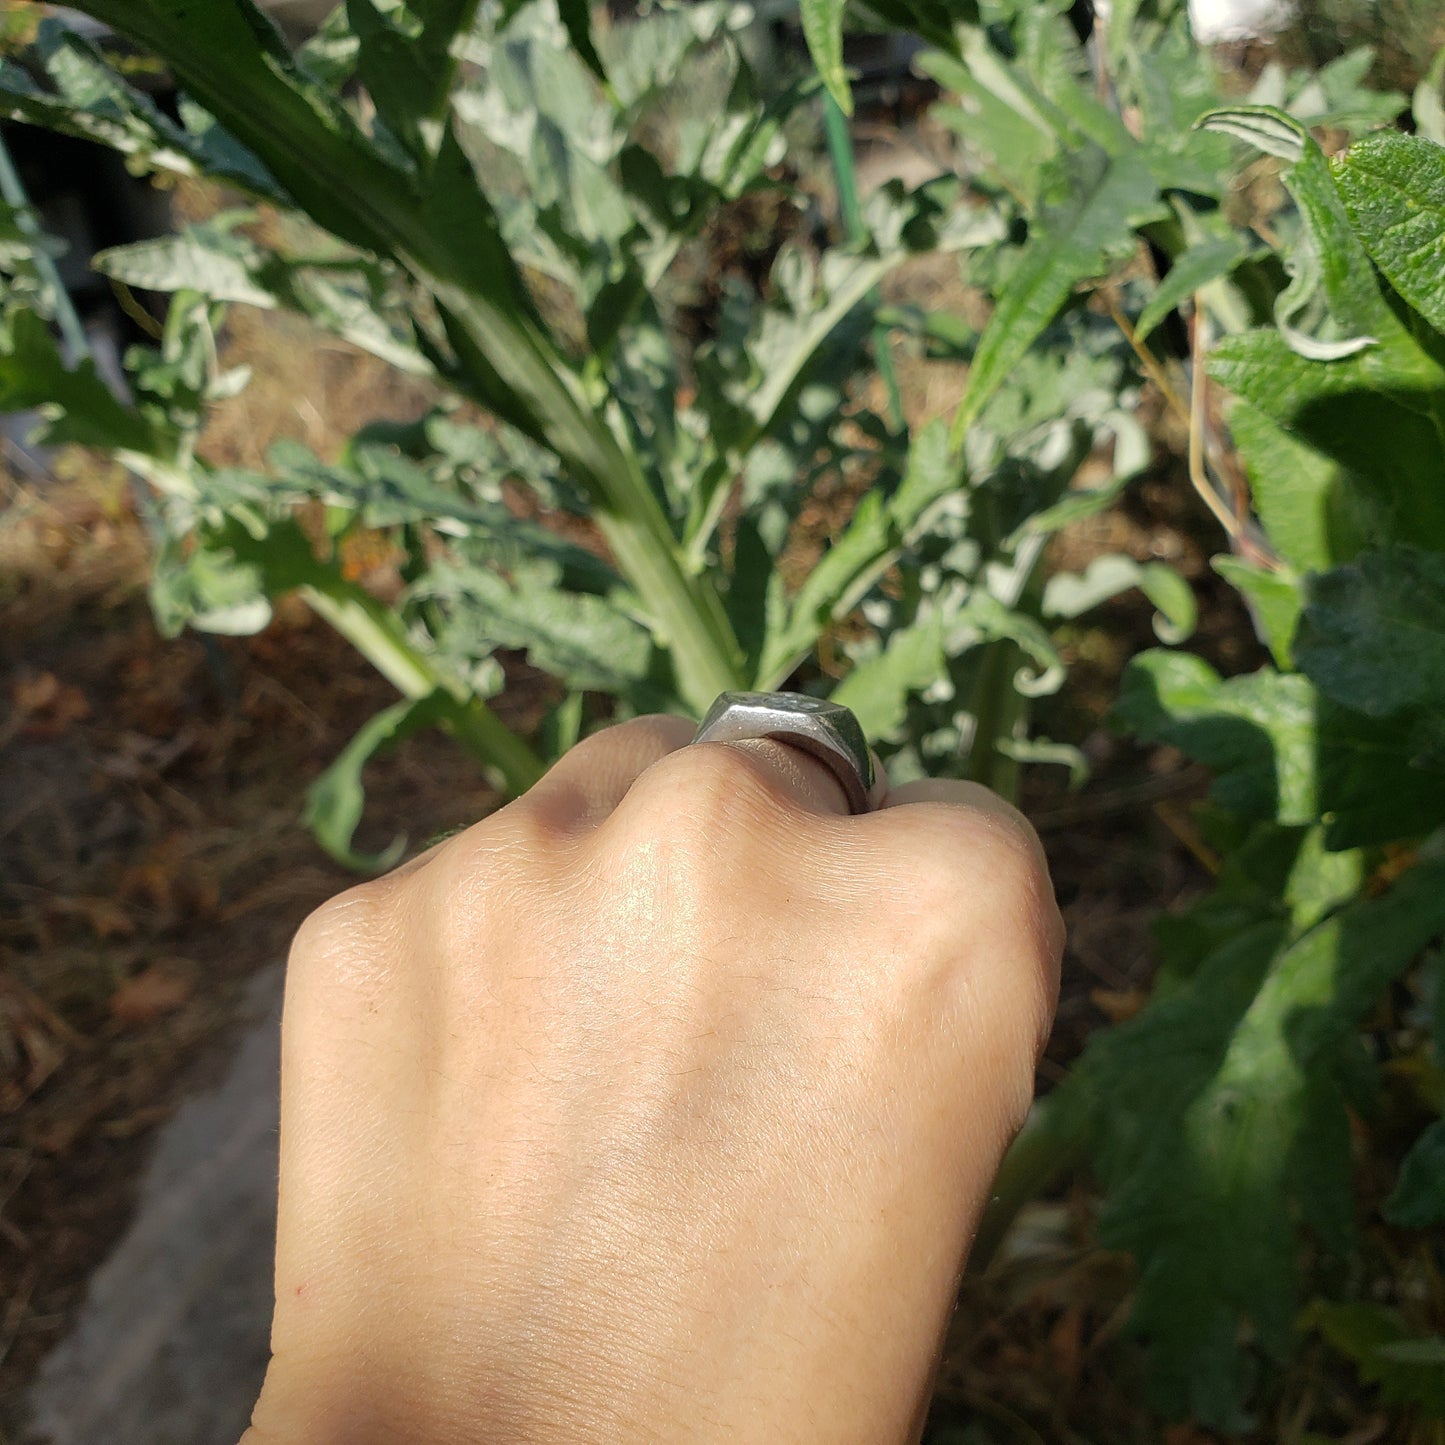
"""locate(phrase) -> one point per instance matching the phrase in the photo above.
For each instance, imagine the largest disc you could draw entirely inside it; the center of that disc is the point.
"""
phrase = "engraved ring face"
(824, 730)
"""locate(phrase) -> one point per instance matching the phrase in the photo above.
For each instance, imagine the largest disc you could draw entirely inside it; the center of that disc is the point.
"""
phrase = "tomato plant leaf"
(1374, 415)
(1273, 597)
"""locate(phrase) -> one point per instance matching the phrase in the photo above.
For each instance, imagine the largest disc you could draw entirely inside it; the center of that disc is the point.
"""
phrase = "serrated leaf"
(1372, 415)
(1373, 636)
(1219, 1122)
(1076, 244)
(340, 296)
(995, 119)
(879, 686)
(209, 258)
(1302, 496)
(877, 530)
(1274, 599)
(1393, 187)
(586, 640)
(210, 589)
(1283, 753)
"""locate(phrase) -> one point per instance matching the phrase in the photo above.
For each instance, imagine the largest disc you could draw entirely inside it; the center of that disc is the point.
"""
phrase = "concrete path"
(171, 1343)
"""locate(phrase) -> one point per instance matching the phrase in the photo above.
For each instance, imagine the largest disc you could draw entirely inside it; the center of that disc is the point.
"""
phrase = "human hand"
(661, 1105)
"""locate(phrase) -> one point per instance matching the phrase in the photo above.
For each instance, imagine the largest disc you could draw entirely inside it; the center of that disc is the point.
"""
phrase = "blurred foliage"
(507, 200)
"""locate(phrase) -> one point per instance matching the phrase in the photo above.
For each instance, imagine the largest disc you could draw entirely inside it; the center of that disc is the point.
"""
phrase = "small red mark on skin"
(300, 1290)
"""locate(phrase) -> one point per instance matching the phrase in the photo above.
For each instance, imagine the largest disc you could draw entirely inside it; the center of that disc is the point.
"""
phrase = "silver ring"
(825, 730)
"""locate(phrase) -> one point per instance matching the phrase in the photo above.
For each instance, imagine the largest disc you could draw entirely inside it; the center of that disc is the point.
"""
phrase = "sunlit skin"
(659, 1106)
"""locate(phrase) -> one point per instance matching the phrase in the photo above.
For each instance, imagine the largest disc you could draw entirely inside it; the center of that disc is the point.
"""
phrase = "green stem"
(996, 707)
(1050, 1143)
(996, 703)
(371, 628)
(840, 148)
(13, 190)
(685, 611)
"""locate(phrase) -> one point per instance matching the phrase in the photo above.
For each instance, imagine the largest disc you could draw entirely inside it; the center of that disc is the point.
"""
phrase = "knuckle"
(350, 924)
(660, 730)
(986, 902)
(711, 793)
(689, 829)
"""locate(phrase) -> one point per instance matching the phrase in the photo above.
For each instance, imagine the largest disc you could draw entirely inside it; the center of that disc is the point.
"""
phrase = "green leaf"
(1112, 196)
(1219, 1124)
(1428, 103)
(1393, 187)
(878, 529)
(343, 295)
(1202, 263)
(335, 801)
(77, 405)
(823, 30)
(1282, 752)
(1265, 127)
(1408, 1368)
(588, 641)
(1303, 497)
(91, 101)
(1069, 594)
(1274, 601)
(210, 589)
(1373, 636)
(879, 686)
(406, 63)
(1376, 416)
(1418, 1200)
(996, 119)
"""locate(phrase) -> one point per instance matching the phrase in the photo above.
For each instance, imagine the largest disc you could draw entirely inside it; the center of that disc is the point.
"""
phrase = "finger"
(957, 793)
(590, 779)
(998, 823)
(795, 775)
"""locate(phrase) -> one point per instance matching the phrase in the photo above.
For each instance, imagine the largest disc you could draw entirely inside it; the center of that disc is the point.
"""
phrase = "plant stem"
(996, 707)
(372, 630)
(1050, 1143)
(685, 611)
(996, 703)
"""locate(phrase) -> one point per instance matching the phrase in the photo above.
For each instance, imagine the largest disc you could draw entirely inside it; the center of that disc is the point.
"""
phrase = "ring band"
(825, 730)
